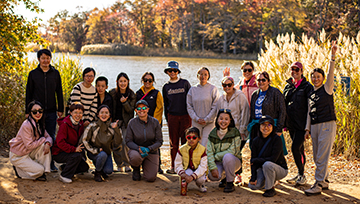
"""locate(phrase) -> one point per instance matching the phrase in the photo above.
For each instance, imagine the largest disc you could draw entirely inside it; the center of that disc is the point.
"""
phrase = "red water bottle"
(183, 183)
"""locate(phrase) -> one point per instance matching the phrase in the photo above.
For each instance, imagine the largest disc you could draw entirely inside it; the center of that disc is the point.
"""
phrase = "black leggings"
(297, 148)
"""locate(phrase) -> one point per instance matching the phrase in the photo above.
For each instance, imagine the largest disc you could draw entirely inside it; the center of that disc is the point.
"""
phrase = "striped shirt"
(87, 97)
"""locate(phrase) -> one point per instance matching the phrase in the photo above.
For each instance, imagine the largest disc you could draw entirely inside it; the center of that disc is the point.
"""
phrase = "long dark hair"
(127, 91)
(40, 125)
(226, 111)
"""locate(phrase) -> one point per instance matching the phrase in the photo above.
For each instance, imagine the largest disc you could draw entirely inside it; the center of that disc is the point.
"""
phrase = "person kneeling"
(30, 149)
(223, 150)
(268, 163)
(192, 156)
(100, 139)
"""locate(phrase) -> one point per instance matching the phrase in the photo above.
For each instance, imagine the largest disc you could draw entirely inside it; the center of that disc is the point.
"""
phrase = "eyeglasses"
(148, 80)
(225, 110)
(141, 108)
(193, 137)
(37, 111)
(172, 70)
(296, 69)
(261, 80)
(247, 70)
(227, 85)
(264, 125)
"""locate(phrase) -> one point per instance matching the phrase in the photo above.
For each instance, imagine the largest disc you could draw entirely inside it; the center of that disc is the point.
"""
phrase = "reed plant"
(278, 56)
(13, 90)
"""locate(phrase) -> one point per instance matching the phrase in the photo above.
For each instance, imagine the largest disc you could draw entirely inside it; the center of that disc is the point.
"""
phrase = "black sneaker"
(97, 176)
(42, 178)
(269, 193)
(16, 173)
(160, 171)
(136, 173)
(105, 176)
(222, 183)
(229, 187)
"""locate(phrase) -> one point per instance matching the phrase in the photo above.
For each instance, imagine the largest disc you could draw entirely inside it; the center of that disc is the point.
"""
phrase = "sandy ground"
(119, 187)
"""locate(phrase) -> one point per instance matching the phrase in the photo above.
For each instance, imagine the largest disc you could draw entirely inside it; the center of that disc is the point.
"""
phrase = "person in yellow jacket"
(191, 160)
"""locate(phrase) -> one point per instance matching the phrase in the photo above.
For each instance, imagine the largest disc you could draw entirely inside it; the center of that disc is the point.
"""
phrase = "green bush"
(278, 57)
(13, 87)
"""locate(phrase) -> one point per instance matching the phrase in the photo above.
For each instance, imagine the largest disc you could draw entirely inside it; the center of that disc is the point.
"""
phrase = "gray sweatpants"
(230, 164)
(150, 164)
(323, 137)
(120, 155)
(267, 175)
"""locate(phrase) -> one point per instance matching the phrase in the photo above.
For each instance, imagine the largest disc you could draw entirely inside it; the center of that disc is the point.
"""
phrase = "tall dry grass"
(13, 88)
(279, 55)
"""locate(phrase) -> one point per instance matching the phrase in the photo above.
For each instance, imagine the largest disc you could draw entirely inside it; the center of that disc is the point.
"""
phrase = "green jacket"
(216, 148)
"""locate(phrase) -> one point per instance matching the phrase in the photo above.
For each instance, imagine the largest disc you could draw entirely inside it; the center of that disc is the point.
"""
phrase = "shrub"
(278, 57)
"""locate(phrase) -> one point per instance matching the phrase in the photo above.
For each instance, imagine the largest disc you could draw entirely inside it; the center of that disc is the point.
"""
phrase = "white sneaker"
(293, 180)
(301, 180)
(64, 180)
(202, 188)
(324, 185)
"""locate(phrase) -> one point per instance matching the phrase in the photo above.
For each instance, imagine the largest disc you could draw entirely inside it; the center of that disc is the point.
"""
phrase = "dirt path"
(119, 188)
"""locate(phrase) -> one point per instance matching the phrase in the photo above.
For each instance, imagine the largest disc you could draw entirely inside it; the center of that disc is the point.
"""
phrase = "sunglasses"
(141, 108)
(247, 70)
(227, 85)
(148, 80)
(193, 137)
(37, 111)
(296, 69)
(261, 80)
(225, 110)
(172, 70)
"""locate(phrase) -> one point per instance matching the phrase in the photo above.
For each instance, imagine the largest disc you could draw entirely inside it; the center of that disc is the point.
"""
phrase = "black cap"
(142, 102)
(266, 118)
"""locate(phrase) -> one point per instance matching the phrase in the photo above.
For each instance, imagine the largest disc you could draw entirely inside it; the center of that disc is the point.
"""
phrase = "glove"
(145, 152)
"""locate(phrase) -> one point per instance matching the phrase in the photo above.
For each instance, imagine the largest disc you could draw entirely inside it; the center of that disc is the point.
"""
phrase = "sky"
(51, 7)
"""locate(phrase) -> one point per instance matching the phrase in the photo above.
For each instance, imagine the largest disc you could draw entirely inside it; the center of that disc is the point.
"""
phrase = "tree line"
(222, 26)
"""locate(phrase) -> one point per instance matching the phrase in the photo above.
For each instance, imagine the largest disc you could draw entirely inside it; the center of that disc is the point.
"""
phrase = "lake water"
(135, 66)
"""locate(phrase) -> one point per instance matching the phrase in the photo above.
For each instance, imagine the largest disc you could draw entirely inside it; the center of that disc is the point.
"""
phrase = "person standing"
(85, 93)
(124, 100)
(323, 123)
(201, 104)
(296, 94)
(248, 84)
(44, 85)
(104, 98)
(174, 92)
(155, 100)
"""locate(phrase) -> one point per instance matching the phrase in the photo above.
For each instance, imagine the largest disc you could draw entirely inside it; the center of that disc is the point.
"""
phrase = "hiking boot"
(170, 171)
(314, 190)
(105, 176)
(97, 176)
(222, 183)
(136, 173)
(301, 180)
(269, 193)
(237, 179)
(229, 187)
(202, 188)
(293, 180)
(324, 184)
(64, 179)
(42, 178)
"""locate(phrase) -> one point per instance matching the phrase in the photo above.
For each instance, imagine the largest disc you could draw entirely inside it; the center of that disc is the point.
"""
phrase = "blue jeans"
(102, 162)
(50, 124)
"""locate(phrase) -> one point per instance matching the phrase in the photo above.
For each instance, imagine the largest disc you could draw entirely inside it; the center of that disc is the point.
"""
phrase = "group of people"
(212, 129)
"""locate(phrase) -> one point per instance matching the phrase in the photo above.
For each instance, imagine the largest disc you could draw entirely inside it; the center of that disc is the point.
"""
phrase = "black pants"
(297, 148)
(75, 163)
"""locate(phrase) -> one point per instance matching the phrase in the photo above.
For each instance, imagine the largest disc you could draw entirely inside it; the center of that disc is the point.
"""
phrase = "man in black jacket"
(43, 84)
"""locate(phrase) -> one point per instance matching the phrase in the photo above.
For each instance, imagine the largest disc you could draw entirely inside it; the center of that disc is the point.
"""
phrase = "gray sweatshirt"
(201, 102)
(143, 134)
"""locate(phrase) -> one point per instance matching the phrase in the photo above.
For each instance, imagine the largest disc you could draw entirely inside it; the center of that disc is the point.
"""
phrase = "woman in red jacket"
(67, 148)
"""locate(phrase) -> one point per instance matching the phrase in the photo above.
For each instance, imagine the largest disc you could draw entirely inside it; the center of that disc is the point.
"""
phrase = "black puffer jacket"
(296, 101)
(273, 105)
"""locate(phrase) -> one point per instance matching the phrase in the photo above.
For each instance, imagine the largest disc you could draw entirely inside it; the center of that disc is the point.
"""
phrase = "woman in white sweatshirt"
(201, 104)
